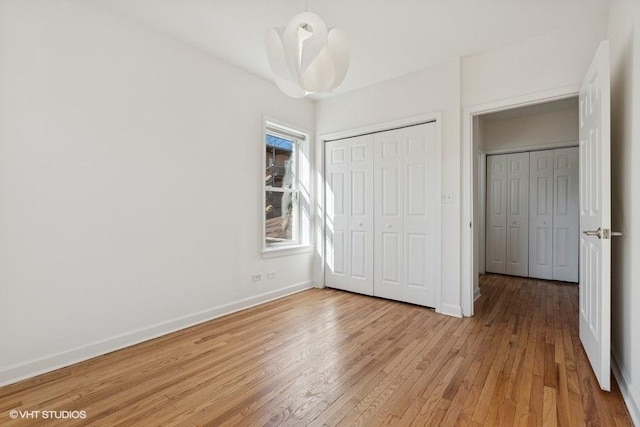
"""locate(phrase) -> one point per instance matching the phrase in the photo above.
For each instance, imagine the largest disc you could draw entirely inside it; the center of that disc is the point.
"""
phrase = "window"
(283, 189)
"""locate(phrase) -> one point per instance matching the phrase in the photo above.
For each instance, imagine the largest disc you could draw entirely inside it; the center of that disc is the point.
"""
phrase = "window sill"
(285, 251)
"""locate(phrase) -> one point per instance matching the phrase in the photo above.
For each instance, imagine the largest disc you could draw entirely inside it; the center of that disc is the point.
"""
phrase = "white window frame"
(302, 240)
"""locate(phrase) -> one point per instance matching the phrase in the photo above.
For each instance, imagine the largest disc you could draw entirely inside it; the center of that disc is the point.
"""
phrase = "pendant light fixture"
(306, 57)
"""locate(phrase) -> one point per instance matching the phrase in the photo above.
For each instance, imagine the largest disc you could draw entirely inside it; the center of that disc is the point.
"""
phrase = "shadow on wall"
(621, 164)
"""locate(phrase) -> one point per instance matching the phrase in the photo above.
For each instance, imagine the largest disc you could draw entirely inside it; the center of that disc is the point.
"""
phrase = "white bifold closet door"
(407, 236)
(554, 215)
(566, 218)
(496, 229)
(382, 223)
(518, 214)
(507, 245)
(541, 215)
(349, 205)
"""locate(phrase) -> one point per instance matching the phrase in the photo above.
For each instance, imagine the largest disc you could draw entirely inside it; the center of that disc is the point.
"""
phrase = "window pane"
(281, 212)
(279, 171)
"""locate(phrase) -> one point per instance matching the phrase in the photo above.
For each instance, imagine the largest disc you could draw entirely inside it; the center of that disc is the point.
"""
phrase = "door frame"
(320, 163)
(469, 239)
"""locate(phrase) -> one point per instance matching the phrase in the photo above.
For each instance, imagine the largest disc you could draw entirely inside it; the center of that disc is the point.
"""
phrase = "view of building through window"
(281, 191)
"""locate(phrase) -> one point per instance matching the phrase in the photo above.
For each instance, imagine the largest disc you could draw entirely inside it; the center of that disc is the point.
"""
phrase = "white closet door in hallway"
(566, 214)
(518, 214)
(554, 219)
(541, 215)
(532, 227)
(508, 214)
(383, 222)
(496, 232)
(349, 205)
(407, 237)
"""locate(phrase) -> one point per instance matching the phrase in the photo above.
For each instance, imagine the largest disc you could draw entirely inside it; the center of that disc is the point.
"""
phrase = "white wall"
(549, 61)
(532, 131)
(435, 89)
(130, 181)
(624, 34)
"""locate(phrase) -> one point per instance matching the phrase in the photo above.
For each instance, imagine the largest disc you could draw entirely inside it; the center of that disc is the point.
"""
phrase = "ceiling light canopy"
(306, 57)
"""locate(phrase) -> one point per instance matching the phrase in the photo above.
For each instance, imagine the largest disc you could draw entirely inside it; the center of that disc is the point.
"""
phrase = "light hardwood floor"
(325, 357)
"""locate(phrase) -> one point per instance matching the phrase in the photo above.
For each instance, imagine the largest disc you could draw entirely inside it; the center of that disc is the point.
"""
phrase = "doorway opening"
(527, 210)
(473, 160)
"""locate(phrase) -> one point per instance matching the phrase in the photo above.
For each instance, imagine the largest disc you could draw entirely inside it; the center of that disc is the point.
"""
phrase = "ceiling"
(388, 38)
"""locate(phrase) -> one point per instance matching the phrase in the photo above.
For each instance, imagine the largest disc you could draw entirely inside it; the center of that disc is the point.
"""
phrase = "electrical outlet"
(271, 275)
(256, 277)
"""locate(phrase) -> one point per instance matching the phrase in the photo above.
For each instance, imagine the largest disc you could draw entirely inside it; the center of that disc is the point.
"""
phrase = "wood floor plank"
(549, 411)
(325, 358)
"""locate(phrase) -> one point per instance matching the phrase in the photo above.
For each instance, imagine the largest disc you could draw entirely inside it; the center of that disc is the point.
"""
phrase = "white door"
(407, 236)
(349, 204)
(518, 214)
(565, 214)
(541, 214)
(496, 240)
(595, 216)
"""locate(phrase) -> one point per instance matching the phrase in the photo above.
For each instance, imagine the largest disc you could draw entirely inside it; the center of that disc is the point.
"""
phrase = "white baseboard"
(630, 399)
(451, 310)
(18, 372)
(476, 294)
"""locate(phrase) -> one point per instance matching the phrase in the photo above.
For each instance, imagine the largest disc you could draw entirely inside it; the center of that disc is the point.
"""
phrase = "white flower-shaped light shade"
(305, 57)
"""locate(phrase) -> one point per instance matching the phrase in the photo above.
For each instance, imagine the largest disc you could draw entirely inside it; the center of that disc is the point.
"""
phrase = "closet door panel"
(566, 215)
(361, 215)
(421, 240)
(417, 254)
(358, 257)
(357, 223)
(541, 214)
(391, 191)
(390, 255)
(406, 231)
(389, 152)
(349, 204)
(518, 215)
(496, 244)
(337, 196)
(337, 256)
